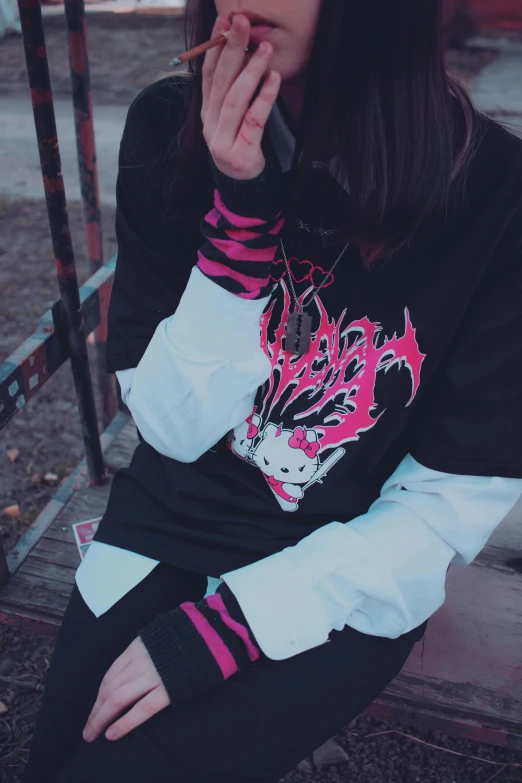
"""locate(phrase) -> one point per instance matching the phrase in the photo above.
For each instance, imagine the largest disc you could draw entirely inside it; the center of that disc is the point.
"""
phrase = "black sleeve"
(155, 254)
(472, 421)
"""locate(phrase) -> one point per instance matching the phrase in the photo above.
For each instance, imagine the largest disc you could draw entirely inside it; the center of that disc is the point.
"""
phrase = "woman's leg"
(258, 725)
(85, 649)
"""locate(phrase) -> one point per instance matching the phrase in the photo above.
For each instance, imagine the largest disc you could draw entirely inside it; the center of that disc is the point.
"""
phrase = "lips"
(259, 33)
(261, 27)
(253, 18)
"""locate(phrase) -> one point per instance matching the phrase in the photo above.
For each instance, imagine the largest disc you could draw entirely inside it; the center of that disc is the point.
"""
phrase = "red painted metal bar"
(45, 123)
(83, 115)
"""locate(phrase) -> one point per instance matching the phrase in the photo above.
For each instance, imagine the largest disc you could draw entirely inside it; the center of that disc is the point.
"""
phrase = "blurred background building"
(464, 17)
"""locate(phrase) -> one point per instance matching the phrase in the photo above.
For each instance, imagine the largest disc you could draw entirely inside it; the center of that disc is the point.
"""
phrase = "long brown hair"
(379, 94)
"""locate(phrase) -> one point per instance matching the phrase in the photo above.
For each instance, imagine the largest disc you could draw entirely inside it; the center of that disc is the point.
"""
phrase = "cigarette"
(201, 49)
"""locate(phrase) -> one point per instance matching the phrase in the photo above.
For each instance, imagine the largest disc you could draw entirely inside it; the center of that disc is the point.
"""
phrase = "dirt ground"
(46, 432)
(126, 54)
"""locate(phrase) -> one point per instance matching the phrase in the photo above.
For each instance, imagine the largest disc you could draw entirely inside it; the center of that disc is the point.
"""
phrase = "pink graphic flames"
(321, 373)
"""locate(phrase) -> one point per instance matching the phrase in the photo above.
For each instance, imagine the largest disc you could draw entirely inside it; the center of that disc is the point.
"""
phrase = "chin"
(288, 67)
(283, 65)
(288, 70)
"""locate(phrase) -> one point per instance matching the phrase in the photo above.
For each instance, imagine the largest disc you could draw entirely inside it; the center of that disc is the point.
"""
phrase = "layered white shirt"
(382, 573)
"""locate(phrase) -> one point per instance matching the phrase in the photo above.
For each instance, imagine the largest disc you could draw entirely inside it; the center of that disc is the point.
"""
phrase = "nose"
(285, 470)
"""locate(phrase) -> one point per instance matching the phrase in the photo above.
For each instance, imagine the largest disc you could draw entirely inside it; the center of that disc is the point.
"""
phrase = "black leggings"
(255, 727)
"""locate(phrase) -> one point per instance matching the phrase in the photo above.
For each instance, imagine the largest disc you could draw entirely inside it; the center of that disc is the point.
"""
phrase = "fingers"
(108, 687)
(117, 669)
(153, 702)
(221, 25)
(251, 131)
(116, 702)
(232, 128)
(119, 666)
(119, 673)
(226, 71)
(239, 96)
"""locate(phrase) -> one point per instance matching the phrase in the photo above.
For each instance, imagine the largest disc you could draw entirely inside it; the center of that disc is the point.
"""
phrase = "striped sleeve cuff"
(238, 251)
(241, 233)
(259, 197)
(198, 646)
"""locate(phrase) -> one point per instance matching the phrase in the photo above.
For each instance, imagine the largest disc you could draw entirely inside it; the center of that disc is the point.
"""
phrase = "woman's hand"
(233, 126)
(131, 680)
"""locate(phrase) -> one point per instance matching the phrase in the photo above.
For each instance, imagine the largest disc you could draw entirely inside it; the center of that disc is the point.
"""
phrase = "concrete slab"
(123, 7)
(19, 161)
(497, 90)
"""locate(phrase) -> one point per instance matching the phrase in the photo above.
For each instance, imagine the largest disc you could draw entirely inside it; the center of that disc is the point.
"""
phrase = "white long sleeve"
(384, 572)
(200, 373)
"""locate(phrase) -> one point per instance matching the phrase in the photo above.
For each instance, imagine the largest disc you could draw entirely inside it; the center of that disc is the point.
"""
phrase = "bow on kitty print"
(299, 441)
(252, 429)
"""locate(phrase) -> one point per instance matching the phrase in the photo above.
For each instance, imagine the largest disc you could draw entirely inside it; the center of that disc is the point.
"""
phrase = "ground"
(126, 54)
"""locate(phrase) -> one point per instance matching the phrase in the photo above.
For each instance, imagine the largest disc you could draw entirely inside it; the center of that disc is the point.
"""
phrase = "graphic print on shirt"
(313, 405)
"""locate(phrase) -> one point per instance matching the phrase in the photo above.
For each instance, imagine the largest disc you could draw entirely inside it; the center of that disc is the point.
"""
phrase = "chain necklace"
(324, 232)
(299, 323)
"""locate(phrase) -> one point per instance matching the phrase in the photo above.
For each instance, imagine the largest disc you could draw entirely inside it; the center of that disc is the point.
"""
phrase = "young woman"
(316, 325)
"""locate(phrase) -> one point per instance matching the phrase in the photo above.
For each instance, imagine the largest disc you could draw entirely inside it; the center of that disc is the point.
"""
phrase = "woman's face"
(289, 25)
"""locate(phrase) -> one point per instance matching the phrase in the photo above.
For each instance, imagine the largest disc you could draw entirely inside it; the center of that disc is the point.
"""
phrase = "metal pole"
(83, 115)
(45, 123)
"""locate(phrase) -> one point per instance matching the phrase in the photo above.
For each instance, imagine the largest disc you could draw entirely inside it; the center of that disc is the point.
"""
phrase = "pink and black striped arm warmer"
(241, 233)
(198, 646)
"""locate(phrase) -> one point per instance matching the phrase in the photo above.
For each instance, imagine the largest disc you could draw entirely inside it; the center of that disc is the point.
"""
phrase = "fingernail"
(111, 733)
(87, 734)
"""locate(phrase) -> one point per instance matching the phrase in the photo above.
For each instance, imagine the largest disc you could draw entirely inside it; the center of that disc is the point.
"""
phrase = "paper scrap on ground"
(84, 534)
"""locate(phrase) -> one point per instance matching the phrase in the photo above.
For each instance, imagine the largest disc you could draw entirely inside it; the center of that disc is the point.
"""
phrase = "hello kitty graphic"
(290, 463)
(314, 404)
(242, 437)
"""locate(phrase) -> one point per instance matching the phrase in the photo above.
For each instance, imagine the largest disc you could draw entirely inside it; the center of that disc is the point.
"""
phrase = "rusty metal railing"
(67, 316)
(88, 170)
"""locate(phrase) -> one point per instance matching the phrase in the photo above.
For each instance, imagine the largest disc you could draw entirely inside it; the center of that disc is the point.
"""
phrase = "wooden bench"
(464, 678)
